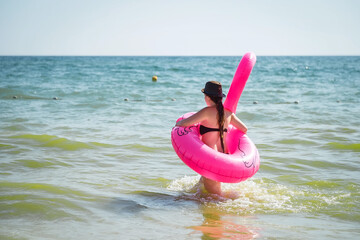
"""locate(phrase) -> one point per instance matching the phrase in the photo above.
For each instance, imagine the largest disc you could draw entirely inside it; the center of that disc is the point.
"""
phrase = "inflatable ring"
(243, 159)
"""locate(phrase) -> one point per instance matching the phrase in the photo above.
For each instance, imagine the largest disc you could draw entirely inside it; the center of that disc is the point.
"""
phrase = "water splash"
(260, 196)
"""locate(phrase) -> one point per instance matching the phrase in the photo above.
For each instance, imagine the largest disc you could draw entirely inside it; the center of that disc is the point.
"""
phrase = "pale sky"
(179, 27)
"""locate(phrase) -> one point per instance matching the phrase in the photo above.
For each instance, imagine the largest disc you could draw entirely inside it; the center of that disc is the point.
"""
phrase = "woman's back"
(212, 138)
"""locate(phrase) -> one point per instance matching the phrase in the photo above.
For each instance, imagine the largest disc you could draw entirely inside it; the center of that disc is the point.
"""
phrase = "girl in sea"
(214, 121)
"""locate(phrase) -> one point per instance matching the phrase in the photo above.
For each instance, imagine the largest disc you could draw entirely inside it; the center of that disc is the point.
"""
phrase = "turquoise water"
(85, 150)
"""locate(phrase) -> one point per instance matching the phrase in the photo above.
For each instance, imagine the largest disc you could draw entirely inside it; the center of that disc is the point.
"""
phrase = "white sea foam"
(255, 196)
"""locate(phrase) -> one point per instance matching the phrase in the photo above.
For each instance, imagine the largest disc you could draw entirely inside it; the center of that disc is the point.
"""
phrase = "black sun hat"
(213, 88)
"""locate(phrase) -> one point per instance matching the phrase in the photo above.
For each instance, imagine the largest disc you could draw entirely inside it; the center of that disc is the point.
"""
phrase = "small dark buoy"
(154, 78)
(338, 101)
(55, 98)
(255, 102)
(126, 99)
(14, 97)
(296, 102)
(173, 99)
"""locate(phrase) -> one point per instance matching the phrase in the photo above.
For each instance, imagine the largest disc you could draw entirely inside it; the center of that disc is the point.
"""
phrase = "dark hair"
(221, 117)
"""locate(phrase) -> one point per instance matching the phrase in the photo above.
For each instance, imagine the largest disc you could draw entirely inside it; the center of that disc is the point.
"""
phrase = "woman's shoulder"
(210, 110)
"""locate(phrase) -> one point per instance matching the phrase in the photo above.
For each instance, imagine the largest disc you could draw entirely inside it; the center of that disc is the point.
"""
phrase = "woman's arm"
(197, 117)
(236, 122)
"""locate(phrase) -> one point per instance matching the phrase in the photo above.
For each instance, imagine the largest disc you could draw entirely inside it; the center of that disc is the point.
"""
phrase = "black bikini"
(204, 130)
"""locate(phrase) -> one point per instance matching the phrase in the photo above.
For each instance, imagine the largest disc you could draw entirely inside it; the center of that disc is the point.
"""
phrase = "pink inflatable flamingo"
(243, 160)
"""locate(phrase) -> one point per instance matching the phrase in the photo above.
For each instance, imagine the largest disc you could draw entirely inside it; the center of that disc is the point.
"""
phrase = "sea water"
(85, 149)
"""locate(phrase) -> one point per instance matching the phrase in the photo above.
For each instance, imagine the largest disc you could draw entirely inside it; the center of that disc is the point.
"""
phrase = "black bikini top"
(204, 130)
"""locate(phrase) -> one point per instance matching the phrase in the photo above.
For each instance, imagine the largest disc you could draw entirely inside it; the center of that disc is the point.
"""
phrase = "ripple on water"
(40, 164)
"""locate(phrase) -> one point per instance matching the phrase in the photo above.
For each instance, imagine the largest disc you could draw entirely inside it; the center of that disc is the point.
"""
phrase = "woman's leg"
(211, 186)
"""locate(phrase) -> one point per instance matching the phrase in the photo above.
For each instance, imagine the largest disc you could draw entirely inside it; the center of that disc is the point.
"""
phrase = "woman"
(214, 120)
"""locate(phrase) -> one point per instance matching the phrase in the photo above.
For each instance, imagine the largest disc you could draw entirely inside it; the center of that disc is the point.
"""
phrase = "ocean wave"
(41, 201)
(6, 146)
(62, 143)
(296, 142)
(354, 147)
